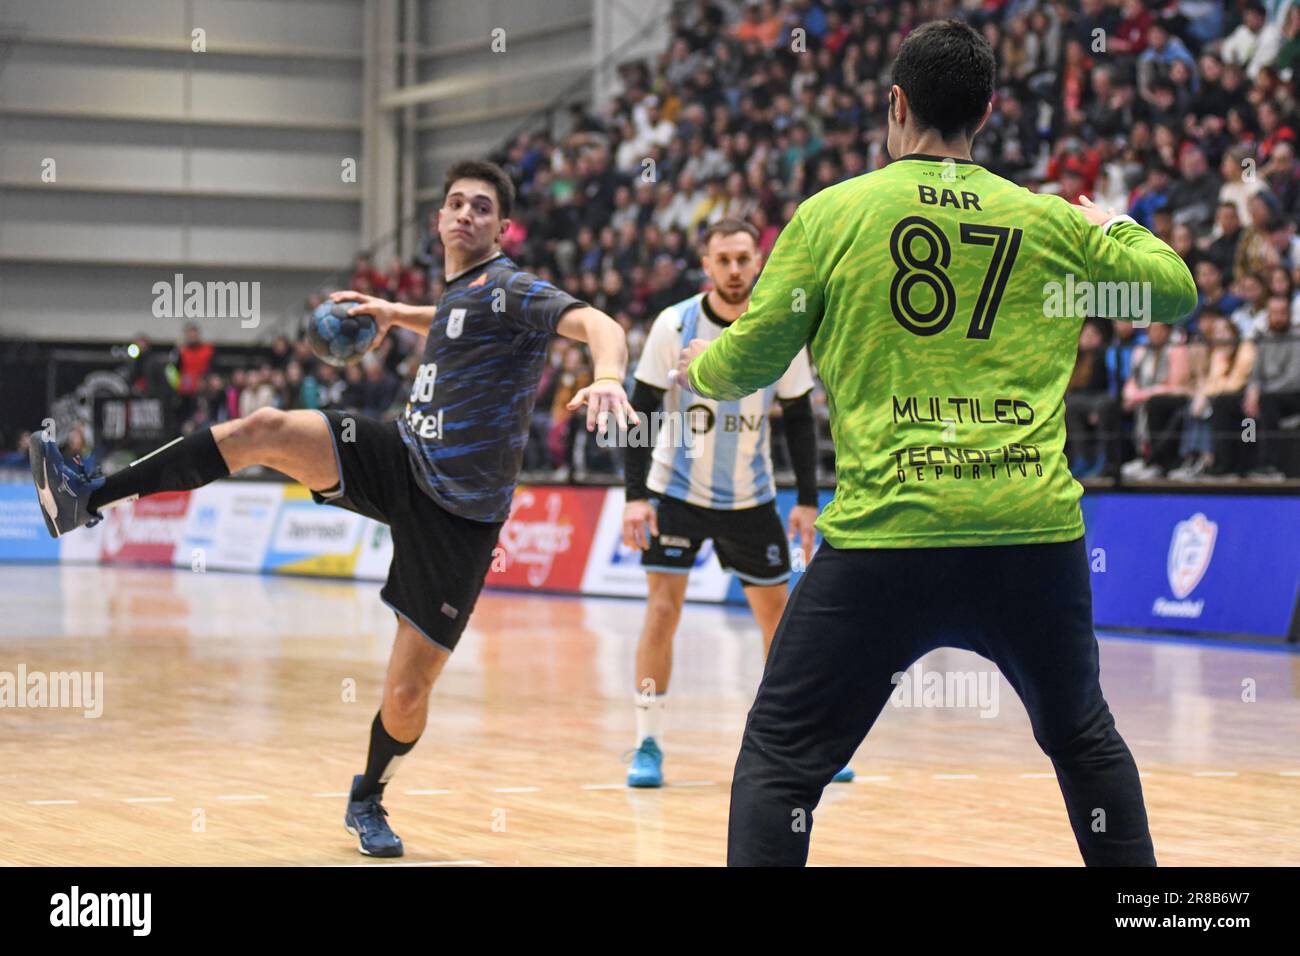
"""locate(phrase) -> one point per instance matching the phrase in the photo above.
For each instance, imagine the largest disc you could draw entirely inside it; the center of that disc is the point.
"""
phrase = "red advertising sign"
(145, 531)
(547, 538)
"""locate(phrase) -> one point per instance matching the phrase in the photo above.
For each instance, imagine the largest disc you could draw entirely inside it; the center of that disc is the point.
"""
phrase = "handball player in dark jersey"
(442, 476)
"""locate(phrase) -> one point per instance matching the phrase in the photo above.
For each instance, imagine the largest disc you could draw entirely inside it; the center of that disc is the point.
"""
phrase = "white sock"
(650, 717)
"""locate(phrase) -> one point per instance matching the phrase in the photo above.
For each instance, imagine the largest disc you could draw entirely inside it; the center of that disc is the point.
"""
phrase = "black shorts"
(439, 559)
(750, 542)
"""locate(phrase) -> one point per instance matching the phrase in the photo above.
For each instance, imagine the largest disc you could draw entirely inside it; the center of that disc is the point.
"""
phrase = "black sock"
(183, 464)
(382, 761)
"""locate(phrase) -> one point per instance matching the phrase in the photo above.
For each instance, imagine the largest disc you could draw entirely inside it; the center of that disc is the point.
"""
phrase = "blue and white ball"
(337, 338)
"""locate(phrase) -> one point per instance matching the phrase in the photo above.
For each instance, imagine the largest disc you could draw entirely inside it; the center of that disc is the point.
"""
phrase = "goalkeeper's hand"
(679, 376)
(1093, 213)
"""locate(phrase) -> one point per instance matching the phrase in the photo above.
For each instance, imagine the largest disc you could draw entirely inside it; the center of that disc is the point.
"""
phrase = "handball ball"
(337, 338)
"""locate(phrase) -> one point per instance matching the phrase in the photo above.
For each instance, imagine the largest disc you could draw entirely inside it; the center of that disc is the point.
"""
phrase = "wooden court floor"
(236, 708)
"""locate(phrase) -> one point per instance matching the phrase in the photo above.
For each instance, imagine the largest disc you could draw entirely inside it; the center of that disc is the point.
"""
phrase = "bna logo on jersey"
(1190, 551)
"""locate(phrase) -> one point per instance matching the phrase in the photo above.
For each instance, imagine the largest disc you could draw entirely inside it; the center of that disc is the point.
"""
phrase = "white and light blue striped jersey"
(728, 465)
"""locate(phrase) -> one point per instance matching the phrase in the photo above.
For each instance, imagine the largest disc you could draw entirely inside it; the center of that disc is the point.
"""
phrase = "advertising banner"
(144, 531)
(1223, 564)
(313, 539)
(22, 526)
(376, 551)
(229, 525)
(546, 541)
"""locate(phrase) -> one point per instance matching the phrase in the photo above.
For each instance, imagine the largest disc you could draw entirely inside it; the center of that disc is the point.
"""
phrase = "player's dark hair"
(946, 70)
(490, 173)
(727, 227)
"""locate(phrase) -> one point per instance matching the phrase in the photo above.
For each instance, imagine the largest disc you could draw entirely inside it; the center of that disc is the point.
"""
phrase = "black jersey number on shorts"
(930, 271)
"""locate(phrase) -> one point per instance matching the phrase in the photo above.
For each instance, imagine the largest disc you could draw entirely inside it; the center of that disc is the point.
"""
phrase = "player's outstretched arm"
(1124, 251)
(608, 346)
(783, 314)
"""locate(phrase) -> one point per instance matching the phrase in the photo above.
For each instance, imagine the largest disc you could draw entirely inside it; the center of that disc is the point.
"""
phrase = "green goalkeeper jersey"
(942, 305)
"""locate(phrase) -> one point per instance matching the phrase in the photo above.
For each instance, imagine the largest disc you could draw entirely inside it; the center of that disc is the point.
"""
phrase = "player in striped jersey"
(715, 483)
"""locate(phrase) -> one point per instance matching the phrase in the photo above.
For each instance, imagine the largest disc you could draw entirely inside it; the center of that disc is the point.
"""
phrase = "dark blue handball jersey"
(467, 418)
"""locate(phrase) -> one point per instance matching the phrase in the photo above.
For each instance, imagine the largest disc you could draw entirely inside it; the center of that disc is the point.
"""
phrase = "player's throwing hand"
(386, 314)
(603, 396)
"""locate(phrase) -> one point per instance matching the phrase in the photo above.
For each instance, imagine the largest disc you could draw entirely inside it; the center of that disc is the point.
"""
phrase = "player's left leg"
(413, 666)
(1040, 597)
(440, 560)
(767, 601)
(667, 561)
(752, 545)
(855, 619)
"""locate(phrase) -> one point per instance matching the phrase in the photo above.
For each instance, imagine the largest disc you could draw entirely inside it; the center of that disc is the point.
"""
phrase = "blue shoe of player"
(365, 820)
(647, 765)
(844, 776)
(63, 489)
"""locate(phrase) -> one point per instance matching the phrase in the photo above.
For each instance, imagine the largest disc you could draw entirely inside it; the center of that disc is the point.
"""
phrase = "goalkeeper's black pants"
(860, 617)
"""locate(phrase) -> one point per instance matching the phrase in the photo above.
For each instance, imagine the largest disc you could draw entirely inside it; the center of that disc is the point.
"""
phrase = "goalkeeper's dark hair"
(946, 69)
(490, 173)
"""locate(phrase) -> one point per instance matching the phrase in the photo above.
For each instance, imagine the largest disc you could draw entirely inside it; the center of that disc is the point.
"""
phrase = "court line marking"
(51, 803)
(516, 789)
(694, 783)
(954, 776)
(332, 793)
(604, 786)
(149, 800)
(1289, 773)
(425, 793)
(1038, 776)
(1215, 773)
(244, 796)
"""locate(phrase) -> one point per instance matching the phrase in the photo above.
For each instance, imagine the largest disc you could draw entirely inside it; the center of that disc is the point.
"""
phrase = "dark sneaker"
(63, 489)
(365, 820)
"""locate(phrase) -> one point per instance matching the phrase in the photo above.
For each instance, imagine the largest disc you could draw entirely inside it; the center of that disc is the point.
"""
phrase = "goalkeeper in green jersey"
(941, 305)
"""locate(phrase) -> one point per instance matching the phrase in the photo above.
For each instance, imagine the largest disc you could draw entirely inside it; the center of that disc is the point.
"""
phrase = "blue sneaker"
(365, 820)
(844, 776)
(63, 489)
(647, 765)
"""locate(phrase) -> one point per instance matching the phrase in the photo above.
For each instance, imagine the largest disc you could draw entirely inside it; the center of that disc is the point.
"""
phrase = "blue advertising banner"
(1219, 564)
(22, 529)
(1213, 564)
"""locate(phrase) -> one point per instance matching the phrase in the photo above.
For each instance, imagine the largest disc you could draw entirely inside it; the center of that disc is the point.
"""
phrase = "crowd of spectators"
(1183, 113)
(1179, 112)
